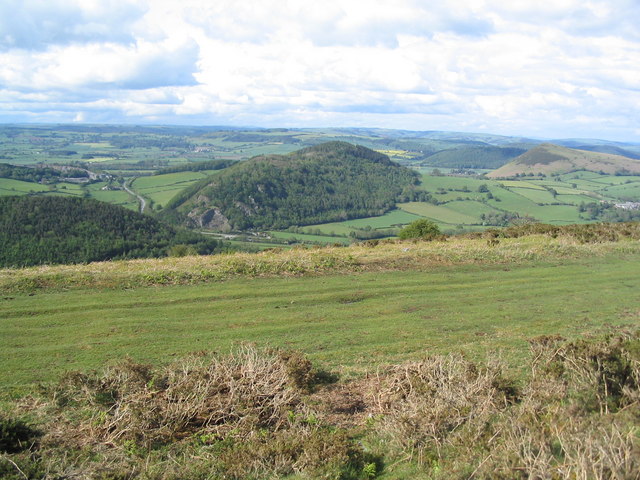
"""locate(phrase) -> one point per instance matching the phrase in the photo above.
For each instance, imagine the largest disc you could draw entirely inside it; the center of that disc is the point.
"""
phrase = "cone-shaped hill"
(327, 182)
(548, 158)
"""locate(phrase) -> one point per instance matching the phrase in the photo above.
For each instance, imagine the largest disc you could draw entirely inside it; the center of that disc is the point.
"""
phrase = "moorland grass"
(387, 255)
(439, 375)
(351, 308)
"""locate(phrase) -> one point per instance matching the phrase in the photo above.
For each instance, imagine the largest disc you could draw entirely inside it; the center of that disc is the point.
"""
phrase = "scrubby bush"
(420, 229)
(258, 414)
(15, 435)
(575, 416)
(237, 416)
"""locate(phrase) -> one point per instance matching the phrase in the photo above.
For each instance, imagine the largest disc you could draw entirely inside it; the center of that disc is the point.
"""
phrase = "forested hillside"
(474, 157)
(50, 230)
(328, 182)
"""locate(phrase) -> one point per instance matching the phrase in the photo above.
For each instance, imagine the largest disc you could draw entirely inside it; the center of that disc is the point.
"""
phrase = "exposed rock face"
(212, 219)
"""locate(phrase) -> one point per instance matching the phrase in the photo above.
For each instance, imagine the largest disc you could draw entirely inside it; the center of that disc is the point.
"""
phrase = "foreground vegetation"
(269, 414)
(388, 360)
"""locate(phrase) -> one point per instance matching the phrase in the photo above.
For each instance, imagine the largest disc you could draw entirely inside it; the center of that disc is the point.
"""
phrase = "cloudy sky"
(567, 68)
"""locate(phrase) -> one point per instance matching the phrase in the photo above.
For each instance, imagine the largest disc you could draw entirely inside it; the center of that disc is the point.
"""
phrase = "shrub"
(15, 435)
(421, 229)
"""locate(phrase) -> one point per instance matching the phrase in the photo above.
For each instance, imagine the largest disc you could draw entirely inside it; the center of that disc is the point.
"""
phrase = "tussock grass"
(512, 245)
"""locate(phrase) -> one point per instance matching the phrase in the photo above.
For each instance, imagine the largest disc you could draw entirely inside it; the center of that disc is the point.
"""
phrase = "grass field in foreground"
(349, 323)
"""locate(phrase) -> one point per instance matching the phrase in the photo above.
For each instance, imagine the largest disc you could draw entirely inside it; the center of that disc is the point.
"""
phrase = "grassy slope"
(549, 158)
(371, 305)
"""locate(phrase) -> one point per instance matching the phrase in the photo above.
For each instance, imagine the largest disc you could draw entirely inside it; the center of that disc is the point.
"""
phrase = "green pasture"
(439, 213)
(535, 195)
(72, 188)
(629, 191)
(457, 195)
(521, 184)
(564, 189)
(433, 182)
(8, 186)
(162, 188)
(505, 199)
(392, 219)
(575, 199)
(557, 214)
(350, 323)
(475, 209)
(116, 197)
(309, 238)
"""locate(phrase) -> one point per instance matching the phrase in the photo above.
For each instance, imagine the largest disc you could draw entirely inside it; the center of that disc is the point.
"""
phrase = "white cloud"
(36, 24)
(456, 64)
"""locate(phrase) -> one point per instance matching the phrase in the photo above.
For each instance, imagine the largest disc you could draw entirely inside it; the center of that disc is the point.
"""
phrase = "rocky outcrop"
(211, 219)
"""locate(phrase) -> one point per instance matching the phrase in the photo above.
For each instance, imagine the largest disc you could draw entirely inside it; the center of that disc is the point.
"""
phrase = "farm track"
(141, 199)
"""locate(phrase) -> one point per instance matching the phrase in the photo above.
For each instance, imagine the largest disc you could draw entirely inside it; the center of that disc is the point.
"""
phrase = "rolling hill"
(554, 159)
(327, 182)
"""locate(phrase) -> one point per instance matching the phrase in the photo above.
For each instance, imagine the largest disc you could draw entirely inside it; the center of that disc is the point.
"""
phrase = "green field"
(440, 214)
(308, 238)
(9, 186)
(162, 188)
(369, 317)
(351, 322)
(392, 219)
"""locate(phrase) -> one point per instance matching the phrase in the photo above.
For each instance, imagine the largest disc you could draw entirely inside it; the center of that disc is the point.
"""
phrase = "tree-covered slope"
(474, 157)
(50, 230)
(327, 182)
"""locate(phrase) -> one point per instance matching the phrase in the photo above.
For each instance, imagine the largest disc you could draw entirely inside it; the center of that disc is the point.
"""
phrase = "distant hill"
(474, 157)
(612, 149)
(52, 230)
(549, 158)
(327, 182)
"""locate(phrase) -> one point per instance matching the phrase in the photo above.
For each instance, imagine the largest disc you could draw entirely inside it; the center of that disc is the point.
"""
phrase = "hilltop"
(554, 159)
(52, 230)
(328, 182)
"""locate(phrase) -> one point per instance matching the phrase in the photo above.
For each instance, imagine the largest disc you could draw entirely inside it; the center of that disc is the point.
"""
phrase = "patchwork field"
(162, 188)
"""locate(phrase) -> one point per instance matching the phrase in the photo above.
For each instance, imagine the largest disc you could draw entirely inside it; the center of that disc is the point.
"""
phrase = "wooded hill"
(549, 159)
(484, 156)
(328, 182)
(51, 230)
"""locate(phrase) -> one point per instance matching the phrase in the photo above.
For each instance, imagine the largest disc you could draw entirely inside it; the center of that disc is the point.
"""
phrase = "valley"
(456, 189)
(288, 333)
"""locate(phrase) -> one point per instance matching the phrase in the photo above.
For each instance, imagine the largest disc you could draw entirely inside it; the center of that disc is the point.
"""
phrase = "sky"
(561, 69)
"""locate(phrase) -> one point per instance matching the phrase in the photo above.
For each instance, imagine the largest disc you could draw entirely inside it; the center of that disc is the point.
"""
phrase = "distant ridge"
(549, 159)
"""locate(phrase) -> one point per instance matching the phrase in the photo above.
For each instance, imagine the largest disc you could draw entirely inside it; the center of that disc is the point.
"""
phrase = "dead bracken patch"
(258, 414)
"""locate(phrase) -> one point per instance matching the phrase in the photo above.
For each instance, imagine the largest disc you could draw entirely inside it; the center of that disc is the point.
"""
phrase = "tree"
(423, 229)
